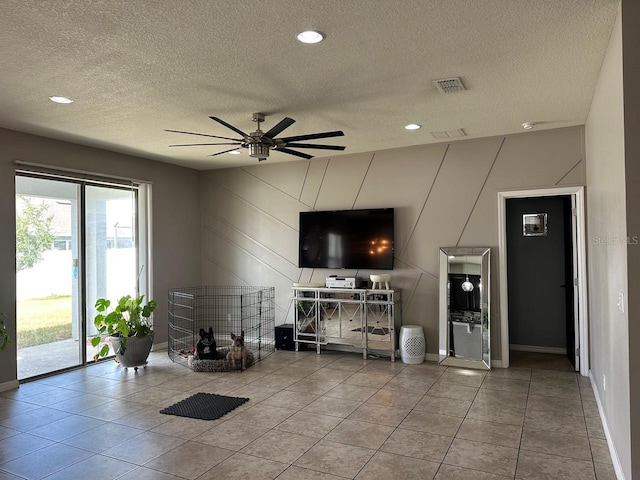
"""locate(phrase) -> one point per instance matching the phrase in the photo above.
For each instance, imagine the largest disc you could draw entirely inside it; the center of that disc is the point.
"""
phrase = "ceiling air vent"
(449, 85)
(449, 134)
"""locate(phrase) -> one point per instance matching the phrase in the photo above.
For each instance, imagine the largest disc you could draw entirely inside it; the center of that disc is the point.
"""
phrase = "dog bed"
(221, 364)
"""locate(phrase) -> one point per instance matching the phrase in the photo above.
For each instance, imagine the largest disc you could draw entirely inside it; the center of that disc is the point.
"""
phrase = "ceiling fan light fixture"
(258, 150)
(59, 99)
(412, 126)
(259, 143)
(235, 152)
(310, 36)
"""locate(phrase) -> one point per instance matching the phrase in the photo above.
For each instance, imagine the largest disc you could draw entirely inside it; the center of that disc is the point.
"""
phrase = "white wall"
(444, 195)
(176, 219)
(607, 232)
(631, 69)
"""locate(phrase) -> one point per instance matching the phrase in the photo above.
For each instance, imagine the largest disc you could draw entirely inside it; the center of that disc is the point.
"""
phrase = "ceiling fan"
(260, 143)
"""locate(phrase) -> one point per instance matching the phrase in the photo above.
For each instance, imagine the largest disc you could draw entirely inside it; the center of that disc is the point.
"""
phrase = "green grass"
(43, 320)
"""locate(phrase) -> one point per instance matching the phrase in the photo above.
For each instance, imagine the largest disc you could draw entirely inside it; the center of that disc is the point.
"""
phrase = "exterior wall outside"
(175, 222)
(443, 195)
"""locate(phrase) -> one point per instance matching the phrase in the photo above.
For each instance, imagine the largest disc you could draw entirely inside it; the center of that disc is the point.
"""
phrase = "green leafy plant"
(128, 318)
(34, 233)
(4, 334)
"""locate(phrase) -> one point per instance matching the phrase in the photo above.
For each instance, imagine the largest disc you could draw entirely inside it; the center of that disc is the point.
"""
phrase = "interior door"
(541, 268)
(573, 313)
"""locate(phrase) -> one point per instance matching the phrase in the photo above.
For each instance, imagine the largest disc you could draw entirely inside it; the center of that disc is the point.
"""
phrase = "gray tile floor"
(321, 417)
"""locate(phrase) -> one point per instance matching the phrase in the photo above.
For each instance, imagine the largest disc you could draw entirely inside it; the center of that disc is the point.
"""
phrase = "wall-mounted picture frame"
(534, 224)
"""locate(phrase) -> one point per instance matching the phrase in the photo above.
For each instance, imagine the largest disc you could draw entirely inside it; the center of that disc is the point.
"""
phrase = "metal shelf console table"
(362, 318)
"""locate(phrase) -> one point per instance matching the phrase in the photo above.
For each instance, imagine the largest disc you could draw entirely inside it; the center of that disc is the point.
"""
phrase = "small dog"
(237, 352)
(206, 346)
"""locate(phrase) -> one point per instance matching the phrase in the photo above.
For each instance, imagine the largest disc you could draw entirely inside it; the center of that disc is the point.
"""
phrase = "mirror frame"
(485, 312)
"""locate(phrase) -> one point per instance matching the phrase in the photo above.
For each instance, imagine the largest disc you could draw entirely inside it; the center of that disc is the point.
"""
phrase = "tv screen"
(354, 239)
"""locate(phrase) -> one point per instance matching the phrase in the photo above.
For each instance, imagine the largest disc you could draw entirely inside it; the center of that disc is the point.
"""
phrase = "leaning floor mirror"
(464, 307)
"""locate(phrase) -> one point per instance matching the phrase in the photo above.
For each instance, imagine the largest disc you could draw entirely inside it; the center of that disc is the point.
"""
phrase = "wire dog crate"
(227, 310)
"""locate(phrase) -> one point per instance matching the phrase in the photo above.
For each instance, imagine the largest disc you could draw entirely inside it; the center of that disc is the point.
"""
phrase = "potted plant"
(4, 334)
(129, 328)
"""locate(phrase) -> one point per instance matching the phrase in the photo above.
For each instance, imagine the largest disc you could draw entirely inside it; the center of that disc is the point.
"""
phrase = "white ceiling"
(138, 67)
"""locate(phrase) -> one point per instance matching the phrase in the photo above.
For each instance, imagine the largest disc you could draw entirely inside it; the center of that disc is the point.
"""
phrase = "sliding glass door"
(110, 248)
(76, 241)
(49, 326)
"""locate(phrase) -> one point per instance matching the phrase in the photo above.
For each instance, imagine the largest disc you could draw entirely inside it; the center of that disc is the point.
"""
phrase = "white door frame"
(579, 247)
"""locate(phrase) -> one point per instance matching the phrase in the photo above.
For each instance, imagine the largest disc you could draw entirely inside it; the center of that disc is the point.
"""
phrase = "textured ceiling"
(138, 67)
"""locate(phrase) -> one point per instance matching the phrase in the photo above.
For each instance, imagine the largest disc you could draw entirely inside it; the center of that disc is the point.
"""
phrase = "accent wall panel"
(397, 178)
(259, 194)
(252, 221)
(313, 181)
(247, 268)
(576, 176)
(457, 186)
(342, 181)
(287, 177)
(421, 308)
(228, 233)
(444, 194)
(534, 160)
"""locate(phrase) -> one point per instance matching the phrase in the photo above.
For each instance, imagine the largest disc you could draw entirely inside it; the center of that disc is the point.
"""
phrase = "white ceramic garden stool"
(378, 280)
(412, 344)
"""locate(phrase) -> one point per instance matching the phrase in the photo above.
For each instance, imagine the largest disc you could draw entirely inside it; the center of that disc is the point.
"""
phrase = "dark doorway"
(540, 274)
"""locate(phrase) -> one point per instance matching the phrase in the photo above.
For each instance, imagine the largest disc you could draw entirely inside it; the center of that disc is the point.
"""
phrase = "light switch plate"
(620, 301)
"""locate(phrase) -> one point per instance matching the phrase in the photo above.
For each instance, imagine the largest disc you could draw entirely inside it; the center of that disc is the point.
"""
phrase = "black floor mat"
(205, 406)
(374, 330)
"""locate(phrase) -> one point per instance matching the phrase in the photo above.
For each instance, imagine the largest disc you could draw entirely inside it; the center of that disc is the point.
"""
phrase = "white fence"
(55, 275)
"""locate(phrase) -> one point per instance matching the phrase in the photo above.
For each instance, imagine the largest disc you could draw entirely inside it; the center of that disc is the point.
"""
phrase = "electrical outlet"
(620, 301)
(604, 382)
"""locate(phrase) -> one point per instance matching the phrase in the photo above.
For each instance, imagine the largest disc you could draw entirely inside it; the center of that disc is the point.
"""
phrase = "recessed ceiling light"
(310, 36)
(235, 152)
(412, 126)
(58, 99)
(528, 125)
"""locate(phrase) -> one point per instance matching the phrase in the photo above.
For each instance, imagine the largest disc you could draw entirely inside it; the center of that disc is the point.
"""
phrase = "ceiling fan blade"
(198, 144)
(205, 135)
(319, 147)
(293, 152)
(220, 153)
(237, 130)
(313, 136)
(284, 123)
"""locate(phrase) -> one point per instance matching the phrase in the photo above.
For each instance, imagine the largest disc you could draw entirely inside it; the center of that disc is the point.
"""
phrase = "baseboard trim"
(537, 349)
(434, 357)
(160, 346)
(617, 466)
(9, 385)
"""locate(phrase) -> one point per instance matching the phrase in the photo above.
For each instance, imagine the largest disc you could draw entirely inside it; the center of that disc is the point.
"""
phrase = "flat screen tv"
(353, 239)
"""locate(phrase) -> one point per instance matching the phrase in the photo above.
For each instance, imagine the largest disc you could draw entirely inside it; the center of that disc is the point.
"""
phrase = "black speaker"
(284, 337)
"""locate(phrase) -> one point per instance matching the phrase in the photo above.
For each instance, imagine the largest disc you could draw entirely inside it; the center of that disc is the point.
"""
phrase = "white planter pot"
(136, 350)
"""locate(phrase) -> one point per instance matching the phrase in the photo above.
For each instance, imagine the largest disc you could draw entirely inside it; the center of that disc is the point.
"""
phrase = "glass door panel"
(111, 265)
(48, 320)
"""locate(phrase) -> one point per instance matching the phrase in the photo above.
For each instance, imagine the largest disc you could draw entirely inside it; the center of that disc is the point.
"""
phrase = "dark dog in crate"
(206, 346)
(237, 352)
